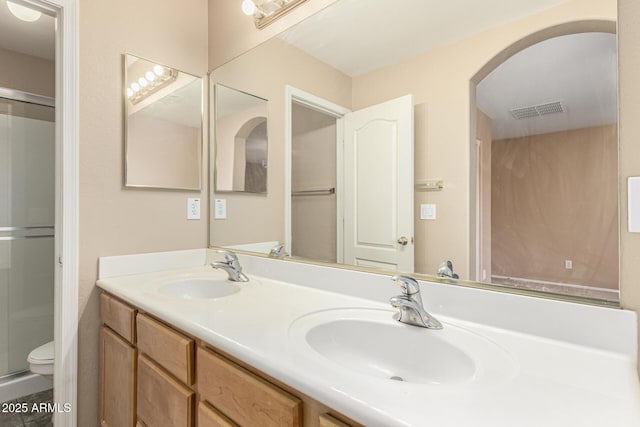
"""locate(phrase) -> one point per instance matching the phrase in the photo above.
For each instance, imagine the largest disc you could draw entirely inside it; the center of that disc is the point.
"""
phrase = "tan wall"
(629, 145)
(260, 218)
(554, 198)
(27, 73)
(114, 220)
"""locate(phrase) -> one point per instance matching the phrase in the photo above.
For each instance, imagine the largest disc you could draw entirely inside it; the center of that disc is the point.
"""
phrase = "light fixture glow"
(150, 76)
(135, 87)
(143, 82)
(129, 92)
(158, 70)
(248, 7)
(23, 12)
(265, 12)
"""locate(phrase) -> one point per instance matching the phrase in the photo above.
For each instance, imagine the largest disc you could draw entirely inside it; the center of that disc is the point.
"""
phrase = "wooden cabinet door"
(117, 380)
(163, 401)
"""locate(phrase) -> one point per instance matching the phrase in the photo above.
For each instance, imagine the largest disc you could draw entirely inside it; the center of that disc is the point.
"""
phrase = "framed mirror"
(163, 126)
(513, 170)
(240, 135)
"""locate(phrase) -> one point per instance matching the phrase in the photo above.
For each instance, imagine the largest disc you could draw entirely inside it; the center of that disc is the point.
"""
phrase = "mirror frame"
(125, 128)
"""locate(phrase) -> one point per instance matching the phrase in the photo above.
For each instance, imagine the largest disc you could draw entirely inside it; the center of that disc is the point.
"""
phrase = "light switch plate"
(633, 190)
(427, 211)
(220, 209)
(193, 208)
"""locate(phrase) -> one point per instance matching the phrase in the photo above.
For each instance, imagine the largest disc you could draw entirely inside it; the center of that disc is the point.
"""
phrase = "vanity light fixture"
(22, 12)
(265, 12)
(150, 82)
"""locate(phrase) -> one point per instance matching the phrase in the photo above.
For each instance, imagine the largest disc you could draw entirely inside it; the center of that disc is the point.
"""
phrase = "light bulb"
(143, 82)
(158, 70)
(129, 92)
(23, 12)
(248, 7)
(135, 87)
(150, 76)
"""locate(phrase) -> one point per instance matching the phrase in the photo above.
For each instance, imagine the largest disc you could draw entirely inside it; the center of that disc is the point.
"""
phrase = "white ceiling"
(580, 70)
(31, 38)
(359, 36)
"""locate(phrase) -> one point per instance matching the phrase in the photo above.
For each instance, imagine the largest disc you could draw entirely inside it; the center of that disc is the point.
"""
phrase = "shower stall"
(27, 236)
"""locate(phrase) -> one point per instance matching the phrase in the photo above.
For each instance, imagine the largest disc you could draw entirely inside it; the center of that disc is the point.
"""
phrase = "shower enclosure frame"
(67, 130)
(23, 382)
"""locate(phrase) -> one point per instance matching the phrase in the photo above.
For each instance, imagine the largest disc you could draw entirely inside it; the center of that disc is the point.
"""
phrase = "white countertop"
(552, 383)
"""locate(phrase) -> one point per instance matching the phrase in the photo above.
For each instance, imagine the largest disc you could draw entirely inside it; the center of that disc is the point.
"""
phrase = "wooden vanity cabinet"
(153, 375)
(118, 357)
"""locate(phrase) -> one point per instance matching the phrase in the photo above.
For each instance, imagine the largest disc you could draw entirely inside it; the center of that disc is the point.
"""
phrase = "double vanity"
(308, 345)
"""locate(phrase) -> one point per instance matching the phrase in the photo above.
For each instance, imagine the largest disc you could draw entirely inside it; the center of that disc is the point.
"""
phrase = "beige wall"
(114, 220)
(554, 198)
(260, 217)
(27, 73)
(629, 142)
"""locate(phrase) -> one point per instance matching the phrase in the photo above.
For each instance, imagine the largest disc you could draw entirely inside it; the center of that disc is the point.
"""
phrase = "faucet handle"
(229, 257)
(408, 284)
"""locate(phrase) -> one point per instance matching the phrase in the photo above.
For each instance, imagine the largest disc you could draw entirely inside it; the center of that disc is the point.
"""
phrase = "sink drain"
(396, 378)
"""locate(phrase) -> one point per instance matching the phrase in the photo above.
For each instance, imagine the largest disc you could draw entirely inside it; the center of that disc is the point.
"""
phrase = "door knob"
(403, 241)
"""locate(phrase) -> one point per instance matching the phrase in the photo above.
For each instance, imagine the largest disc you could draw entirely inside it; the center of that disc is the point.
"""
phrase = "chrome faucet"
(278, 251)
(409, 305)
(446, 270)
(231, 265)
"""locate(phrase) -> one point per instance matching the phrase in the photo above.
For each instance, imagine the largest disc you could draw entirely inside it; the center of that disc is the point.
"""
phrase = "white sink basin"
(199, 288)
(370, 342)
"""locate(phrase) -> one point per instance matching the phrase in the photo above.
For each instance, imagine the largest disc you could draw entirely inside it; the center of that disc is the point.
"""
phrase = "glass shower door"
(27, 218)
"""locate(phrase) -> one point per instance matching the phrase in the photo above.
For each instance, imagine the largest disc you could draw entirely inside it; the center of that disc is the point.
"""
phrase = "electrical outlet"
(193, 208)
(568, 264)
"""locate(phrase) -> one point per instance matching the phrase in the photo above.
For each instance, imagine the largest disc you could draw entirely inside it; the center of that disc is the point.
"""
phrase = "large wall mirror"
(404, 135)
(163, 126)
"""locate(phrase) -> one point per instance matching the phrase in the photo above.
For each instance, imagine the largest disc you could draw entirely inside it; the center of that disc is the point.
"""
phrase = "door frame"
(67, 131)
(314, 102)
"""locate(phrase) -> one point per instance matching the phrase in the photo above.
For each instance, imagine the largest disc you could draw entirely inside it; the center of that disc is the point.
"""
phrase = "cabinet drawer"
(162, 401)
(118, 316)
(117, 380)
(209, 417)
(242, 396)
(170, 349)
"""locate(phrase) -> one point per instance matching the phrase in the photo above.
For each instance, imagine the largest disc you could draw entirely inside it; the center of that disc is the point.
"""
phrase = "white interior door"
(378, 185)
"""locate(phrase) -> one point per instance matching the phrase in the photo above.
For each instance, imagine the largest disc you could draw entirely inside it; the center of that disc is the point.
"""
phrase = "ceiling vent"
(537, 110)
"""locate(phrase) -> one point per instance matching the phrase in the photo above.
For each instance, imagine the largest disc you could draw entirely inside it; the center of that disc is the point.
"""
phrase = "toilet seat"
(41, 359)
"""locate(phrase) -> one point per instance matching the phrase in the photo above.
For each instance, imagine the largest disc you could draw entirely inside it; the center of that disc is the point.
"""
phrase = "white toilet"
(41, 360)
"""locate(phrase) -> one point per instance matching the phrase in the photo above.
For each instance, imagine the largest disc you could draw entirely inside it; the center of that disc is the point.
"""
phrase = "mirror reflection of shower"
(27, 234)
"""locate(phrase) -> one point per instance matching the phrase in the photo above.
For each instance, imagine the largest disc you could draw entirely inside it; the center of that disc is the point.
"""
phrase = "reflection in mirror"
(240, 141)
(163, 126)
(505, 206)
(547, 167)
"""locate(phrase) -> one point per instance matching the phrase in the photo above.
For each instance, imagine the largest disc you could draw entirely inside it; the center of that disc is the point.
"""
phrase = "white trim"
(67, 212)
(319, 104)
